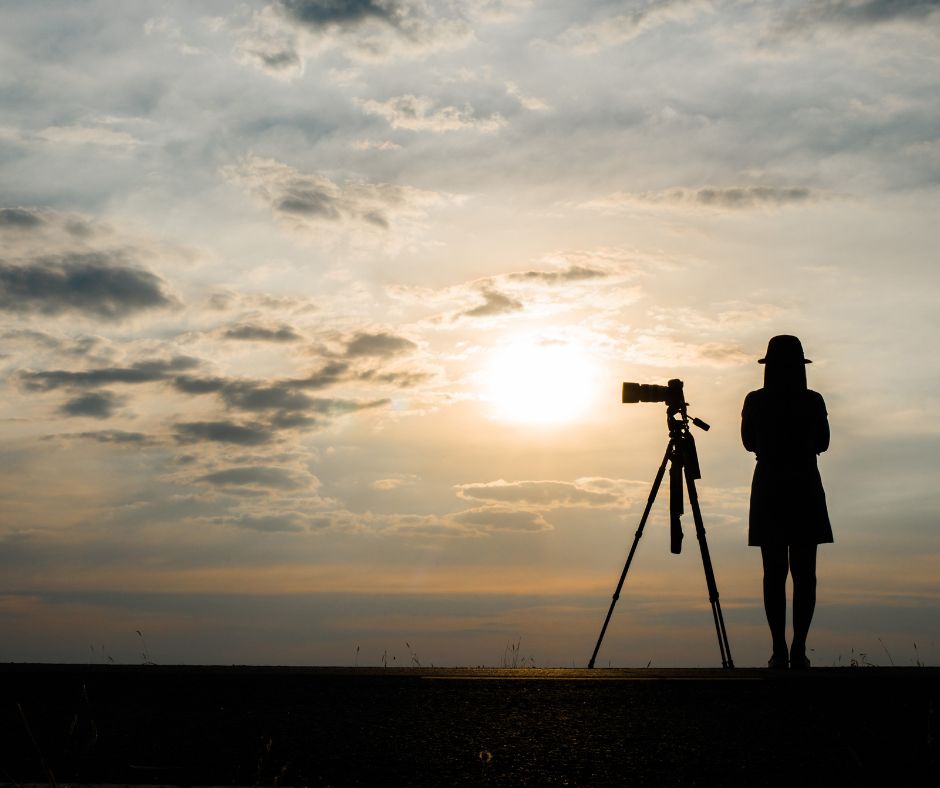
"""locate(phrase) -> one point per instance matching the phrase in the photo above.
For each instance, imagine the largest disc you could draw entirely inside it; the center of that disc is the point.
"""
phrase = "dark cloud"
(751, 196)
(323, 13)
(141, 372)
(328, 375)
(336, 407)
(256, 333)
(96, 284)
(852, 13)
(96, 404)
(293, 421)
(574, 273)
(282, 401)
(250, 396)
(254, 476)
(193, 385)
(285, 59)
(19, 219)
(402, 379)
(382, 344)
(30, 335)
(495, 303)
(223, 432)
(287, 523)
(309, 202)
(116, 436)
(722, 198)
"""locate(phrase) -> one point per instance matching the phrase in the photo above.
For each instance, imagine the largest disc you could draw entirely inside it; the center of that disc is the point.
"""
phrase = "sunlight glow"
(537, 381)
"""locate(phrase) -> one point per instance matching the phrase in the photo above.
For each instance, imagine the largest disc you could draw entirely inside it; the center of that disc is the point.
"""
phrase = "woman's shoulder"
(816, 399)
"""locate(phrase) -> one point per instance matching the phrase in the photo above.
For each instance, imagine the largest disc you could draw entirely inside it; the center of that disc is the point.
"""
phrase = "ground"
(184, 725)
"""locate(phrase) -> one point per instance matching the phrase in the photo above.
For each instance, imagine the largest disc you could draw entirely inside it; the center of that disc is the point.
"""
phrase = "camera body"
(671, 393)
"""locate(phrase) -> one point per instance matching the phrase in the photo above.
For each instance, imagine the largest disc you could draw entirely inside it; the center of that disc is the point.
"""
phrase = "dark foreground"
(333, 726)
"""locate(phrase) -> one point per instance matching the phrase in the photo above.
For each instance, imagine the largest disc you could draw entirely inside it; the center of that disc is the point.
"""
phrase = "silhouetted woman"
(786, 425)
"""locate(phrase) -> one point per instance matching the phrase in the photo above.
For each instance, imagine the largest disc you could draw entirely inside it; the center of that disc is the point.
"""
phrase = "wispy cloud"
(494, 303)
(252, 332)
(621, 28)
(732, 198)
(311, 202)
(418, 113)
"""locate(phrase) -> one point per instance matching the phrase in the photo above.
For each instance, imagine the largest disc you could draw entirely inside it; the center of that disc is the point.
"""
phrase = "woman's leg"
(803, 571)
(775, 594)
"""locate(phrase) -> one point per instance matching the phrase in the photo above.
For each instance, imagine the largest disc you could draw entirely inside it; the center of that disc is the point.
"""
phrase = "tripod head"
(674, 397)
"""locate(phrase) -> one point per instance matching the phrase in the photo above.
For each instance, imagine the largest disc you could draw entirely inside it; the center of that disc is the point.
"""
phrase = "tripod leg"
(723, 646)
(636, 540)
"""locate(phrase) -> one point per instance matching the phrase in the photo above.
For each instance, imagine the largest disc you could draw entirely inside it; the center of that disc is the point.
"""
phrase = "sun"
(532, 380)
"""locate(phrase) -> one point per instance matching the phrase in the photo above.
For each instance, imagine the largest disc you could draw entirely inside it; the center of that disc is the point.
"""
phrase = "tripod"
(681, 454)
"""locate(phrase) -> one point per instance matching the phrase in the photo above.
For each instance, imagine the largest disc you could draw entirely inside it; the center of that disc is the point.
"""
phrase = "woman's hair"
(785, 376)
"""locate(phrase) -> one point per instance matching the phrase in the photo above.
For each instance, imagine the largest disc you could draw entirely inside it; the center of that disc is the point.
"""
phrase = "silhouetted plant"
(512, 656)
(146, 651)
(415, 662)
(886, 651)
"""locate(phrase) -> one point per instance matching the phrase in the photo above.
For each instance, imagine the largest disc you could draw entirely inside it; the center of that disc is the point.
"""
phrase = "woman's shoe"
(799, 661)
(777, 662)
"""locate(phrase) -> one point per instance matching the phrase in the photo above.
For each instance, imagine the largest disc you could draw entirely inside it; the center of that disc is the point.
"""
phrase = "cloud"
(255, 333)
(401, 378)
(323, 13)
(858, 13)
(573, 273)
(312, 203)
(661, 351)
(378, 29)
(540, 493)
(735, 198)
(96, 284)
(625, 27)
(252, 476)
(282, 35)
(141, 372)
(383, 345)
(271, 46)
(19, 218)
(281, 395)
(495, 519)
(254, 396)
(365, 144)
(102, 136)
(495, 303)
(265, 523)
(723, 317)
(223, 432)
(328, 375)
(528, 102)
(393, 483)
(116, 437)
(96, 404)
(417, 113)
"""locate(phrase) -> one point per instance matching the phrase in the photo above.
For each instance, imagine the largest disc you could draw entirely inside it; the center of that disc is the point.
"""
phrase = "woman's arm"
(821, 436)
(749, 422)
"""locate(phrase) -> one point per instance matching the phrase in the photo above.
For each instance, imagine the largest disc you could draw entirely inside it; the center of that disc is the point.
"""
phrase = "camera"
(671, 393)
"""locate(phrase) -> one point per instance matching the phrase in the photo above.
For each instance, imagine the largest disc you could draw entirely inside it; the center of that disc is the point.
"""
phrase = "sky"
(315, 313)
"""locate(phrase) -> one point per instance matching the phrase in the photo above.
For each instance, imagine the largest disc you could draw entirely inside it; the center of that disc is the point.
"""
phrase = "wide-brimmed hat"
(784, 349)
